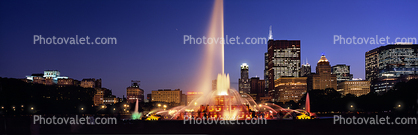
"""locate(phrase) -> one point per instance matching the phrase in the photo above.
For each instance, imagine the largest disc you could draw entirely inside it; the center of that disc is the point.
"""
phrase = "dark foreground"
(22, 125)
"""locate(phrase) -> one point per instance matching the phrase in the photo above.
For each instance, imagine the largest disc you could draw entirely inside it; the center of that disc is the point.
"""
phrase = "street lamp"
(31, 108)
(82, 108)
(399, 106)
(351, 106)
(159, 105)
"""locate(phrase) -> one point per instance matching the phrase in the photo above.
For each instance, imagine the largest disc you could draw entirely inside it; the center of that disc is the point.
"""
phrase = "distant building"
(305, 70)
(358, 87)
(91, 83)
(244, 81)
(386, 65)
(323, 78)
(66, 82)
(133, 93)
(266, 73)
(257, 88)
(101, 95)
(192, 96)
(342, 72)
(290, 88)
(98, 97)
(110, 100)
(283, 61)
(149, 97)
(49, 77)
(166, 95)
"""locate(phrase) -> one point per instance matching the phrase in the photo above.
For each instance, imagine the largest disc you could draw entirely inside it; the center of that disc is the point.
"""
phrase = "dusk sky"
(150, 36)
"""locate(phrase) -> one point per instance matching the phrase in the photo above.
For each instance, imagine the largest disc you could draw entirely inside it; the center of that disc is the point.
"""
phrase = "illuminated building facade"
(91, 83)
(49, 77)
(355, 87)
(342, 72)
(323, 78)
(283, 61)
(290, 88)
(133, 93)
(166, 95)
(386, 65)
(244, 81)
(66, 82)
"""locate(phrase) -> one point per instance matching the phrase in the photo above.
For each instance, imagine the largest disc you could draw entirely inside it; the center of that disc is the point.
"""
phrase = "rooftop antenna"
(271, 33)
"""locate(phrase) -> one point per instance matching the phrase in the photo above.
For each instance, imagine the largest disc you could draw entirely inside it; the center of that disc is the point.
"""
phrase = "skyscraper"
(396, 60)
(244, 82)
(387, 65)
(342, 72)
(323, 78)
(283, 60)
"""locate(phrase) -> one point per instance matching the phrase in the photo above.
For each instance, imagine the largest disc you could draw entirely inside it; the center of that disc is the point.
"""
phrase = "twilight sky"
(150, 36)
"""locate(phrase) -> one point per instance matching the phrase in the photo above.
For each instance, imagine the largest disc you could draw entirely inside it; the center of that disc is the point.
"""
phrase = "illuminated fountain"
(223, 102)
(136, 115)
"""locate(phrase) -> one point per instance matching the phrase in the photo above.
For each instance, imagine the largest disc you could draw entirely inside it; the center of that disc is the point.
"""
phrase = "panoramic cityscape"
(208, 67)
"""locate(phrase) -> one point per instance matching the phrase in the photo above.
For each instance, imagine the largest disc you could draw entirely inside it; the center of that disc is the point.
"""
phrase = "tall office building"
(244, 81)
(386, 65)
(323, 78)
(342, 72)
(283, 61)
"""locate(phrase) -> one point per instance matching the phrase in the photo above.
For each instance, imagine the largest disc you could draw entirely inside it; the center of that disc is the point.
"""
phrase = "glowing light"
(399, 105)
(165, 106)
(159, 105)
(31, 108)
(351, 106)
(82, 109)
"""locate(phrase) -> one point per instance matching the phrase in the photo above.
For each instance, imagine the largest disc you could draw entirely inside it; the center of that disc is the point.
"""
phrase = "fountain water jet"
(136, 115)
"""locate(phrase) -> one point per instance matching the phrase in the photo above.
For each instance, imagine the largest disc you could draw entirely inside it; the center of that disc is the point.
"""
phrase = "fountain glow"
(224, 102)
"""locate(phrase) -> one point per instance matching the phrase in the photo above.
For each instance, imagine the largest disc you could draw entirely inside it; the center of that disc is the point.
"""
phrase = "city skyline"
(151, 50)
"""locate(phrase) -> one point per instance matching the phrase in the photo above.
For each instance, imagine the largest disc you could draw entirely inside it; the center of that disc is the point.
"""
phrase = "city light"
(351, 106)
(399, 105)
(21, 106)
(2, 107)
(31, 108)
(165, 106)
(159, 105)
(82, 109)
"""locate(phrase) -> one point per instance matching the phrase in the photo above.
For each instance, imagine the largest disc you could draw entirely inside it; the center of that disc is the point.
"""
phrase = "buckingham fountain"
(223, 102)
